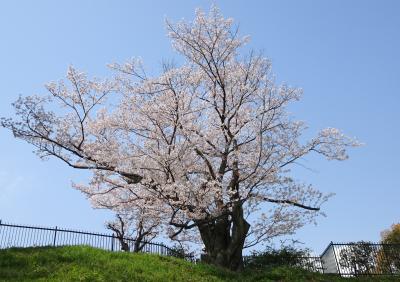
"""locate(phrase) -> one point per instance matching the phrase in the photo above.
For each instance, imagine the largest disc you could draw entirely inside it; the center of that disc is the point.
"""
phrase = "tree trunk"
(124, 245)
(224, 239)
(139, 244)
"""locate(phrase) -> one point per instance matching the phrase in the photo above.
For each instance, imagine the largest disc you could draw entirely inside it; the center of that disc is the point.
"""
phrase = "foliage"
(388, 258)
(179, 251)
(392, 235)
(359, 257)
(286, 256)
(88, 264)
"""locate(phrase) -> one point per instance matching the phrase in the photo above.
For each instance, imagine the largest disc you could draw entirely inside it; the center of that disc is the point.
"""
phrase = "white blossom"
(188, 146)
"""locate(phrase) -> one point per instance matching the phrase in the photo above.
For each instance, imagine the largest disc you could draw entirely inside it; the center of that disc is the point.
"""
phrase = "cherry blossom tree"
(138, 227)
(120, 226)
(207, 146)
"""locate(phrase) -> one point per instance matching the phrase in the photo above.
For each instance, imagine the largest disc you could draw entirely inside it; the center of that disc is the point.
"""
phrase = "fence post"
(55, 236)
(112, 242)
(163, 250)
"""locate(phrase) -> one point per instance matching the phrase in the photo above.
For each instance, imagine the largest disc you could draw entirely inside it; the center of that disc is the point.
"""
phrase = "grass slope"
(79, 263)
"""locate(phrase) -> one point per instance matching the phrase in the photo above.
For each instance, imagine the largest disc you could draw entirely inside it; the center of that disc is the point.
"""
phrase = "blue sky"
(344, 54)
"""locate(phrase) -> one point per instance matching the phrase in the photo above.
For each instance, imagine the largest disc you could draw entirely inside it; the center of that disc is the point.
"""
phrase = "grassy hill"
(80, 263)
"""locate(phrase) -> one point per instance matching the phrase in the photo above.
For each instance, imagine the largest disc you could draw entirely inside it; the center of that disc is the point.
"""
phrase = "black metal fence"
(12, 235)
(361, 259)
(313, 264)
(351, 259)
(347, 260)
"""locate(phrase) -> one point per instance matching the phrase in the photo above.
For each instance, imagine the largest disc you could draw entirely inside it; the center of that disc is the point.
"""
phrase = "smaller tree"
(134, 226)
(119, 227)
(392, 235)
(136, 219)
(388, 258)
(359, 258)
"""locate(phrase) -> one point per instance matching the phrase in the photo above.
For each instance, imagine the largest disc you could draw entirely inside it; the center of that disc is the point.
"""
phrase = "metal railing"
(347, 260)
(361, 259)
(310, 263)
(13, 235)
(351, 259)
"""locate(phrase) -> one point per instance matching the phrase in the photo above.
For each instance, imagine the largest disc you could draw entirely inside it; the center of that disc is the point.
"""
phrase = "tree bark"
(224, 239)
(124, 245)
(139, 244)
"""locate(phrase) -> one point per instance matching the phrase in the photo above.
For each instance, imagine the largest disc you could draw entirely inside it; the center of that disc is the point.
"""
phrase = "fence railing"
(361, 259)
(347, 260)
(351, 259)
(12, 235)
(313, 264)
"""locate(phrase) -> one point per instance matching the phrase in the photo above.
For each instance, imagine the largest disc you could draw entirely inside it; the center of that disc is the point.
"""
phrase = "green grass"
(89, 264)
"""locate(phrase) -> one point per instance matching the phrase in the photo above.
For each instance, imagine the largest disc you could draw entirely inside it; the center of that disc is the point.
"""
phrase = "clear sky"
(344, 54)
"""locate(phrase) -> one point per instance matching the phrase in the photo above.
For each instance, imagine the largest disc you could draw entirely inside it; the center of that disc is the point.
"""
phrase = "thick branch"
(291, 203)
